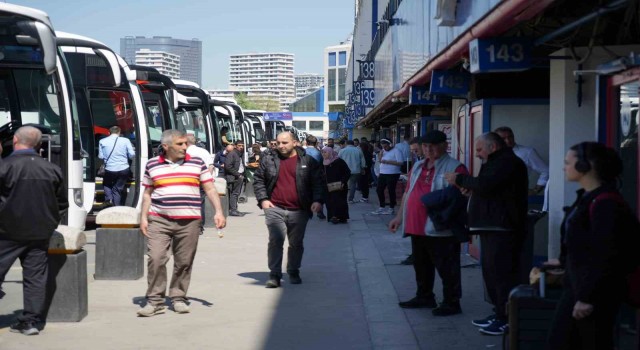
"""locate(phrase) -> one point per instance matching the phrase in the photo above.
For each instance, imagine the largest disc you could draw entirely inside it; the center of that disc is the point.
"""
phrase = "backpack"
(632, 227)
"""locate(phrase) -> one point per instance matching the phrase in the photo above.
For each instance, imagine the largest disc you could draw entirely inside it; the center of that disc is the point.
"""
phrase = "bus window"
(38, 98)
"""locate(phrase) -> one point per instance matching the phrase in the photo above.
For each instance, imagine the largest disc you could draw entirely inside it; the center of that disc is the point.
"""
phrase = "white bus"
(35, 89)
(107, 95)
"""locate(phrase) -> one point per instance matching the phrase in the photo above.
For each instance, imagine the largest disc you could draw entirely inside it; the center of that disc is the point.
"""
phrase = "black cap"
(434, 137)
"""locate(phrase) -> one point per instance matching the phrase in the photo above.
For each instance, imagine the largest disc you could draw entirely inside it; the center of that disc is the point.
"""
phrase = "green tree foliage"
(261, 103)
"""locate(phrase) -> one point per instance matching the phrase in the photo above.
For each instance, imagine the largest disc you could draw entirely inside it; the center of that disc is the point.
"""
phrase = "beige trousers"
(182, 237)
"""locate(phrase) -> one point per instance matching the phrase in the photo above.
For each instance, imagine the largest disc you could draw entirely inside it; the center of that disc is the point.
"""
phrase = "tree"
(256, 102)
(245, 102)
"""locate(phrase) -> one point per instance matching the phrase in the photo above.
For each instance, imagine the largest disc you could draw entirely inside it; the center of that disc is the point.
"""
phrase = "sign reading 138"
(367, 70)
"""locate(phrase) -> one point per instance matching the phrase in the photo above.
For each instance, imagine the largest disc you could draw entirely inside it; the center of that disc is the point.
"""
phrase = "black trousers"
(114, 183)
(500, 259)
(440, 254)
(388, 181)
(33, 257)
(235, 188)
(594, 332)
(365, 180)
(283, 223)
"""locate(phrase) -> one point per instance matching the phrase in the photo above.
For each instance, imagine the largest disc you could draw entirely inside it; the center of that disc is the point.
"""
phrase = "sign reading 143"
(499, 55)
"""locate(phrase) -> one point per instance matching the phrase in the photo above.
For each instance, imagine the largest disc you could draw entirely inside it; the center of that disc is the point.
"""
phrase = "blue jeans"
(113, 184)
(353, 181)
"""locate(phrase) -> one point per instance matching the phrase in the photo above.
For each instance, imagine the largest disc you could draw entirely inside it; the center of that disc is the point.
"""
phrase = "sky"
(301, 27)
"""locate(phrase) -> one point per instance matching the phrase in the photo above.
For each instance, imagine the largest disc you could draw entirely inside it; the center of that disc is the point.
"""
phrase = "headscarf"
(334, 155)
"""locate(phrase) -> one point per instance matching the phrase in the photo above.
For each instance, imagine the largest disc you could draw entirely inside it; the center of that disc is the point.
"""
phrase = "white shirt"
(201, 153)
(533, 162)
(405, 150)
(393, 155)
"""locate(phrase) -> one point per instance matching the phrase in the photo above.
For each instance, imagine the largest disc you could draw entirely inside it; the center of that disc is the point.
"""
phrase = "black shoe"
(26, 328)
(418, 303)
(408, 260)
(294, 278)
(235, 213)
(273, 282)
(321, 216)
(447, 309)
(485, 321)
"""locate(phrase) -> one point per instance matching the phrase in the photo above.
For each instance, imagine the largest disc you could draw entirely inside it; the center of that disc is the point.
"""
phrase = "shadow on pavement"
(142, 301)
(260, 278)
(7, 320)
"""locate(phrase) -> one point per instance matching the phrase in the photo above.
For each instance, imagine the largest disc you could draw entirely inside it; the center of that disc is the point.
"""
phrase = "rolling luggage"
(531, 310)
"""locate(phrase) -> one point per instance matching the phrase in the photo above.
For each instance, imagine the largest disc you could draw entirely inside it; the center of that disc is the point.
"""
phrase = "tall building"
(336, 59)
(166, 63)
(264, 76)
(190, 52)
(307, 83)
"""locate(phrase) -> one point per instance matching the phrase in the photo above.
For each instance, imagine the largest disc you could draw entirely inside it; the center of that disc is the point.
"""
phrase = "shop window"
(316, 125)
(300, 124)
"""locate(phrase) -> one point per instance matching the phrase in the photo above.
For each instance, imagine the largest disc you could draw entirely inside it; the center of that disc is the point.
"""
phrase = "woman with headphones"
(597, 251)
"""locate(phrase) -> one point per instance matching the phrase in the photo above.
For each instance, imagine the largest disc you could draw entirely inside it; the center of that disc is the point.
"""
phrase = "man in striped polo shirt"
(171, 218)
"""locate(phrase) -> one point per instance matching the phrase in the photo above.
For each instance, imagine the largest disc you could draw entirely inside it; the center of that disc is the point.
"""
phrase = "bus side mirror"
(49, 48)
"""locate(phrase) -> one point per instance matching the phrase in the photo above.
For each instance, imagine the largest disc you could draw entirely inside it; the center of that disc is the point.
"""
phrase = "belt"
(290, 209)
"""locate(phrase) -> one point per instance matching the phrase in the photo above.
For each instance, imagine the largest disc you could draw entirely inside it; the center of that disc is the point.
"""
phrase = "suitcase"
(531, 310)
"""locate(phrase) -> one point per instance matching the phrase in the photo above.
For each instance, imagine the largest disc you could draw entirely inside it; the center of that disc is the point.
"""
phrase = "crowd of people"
(441, 207)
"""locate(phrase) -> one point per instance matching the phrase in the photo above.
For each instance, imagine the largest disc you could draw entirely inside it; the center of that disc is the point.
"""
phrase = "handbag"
(102, 169)
(334, 186)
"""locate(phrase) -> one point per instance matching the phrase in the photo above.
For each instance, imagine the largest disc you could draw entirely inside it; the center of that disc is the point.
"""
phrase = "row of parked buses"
(74, 89)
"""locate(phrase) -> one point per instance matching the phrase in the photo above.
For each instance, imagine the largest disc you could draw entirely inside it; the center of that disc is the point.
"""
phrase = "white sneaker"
(389, 211)
(352, 202)
(181, 307)
(364, 200)
(380, 211)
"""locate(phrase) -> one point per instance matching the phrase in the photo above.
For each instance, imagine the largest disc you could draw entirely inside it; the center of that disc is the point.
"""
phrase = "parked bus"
(193, 114)
(36, 90)
(107, 95)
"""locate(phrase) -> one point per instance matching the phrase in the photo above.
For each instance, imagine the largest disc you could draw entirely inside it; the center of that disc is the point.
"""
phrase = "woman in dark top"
(336, 170)
(597, 251)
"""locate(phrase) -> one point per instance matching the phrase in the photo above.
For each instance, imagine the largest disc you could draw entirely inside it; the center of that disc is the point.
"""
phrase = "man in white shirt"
(529, 156)
(405, 150)
(195, 151)
(390, 162)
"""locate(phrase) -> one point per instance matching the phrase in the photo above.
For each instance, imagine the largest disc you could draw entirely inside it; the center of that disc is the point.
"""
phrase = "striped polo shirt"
(176, 186)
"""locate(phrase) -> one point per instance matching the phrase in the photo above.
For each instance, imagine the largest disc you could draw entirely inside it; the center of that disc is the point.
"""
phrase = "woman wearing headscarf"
(338, 174)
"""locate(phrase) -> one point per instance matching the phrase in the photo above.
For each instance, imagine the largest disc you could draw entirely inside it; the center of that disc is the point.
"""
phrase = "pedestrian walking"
(338, 175)
(354, 158)
(599, 242)
(434, 247)
(234, 172)
(289, 185)
(390, 160)
(30, 187)
(498, 214)
(116, 152)
(170, 219)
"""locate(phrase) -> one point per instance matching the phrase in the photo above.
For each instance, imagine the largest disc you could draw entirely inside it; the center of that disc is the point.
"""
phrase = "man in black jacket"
(234, 173)
(31, 187)
(288, 185)
(498, 213)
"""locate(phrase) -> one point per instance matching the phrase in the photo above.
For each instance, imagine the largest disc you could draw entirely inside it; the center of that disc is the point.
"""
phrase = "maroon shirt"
(285, 194)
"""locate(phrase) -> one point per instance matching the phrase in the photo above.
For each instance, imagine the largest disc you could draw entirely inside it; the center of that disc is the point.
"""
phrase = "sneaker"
(364, 200)
(447, 309)
(352, 202)
(273, 283)
(26, 328)
(484, 322)
(497, 327)
(294, 278)
(380, 211)
(151, 310)
(418, 303)
(408, 260)
(180, 307)
(389, 211)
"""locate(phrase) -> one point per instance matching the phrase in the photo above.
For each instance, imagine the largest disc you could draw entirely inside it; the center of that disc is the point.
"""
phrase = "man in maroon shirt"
(288, 185)
(434, 247)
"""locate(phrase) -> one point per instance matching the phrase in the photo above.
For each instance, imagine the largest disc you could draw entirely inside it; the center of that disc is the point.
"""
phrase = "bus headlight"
(78, 196)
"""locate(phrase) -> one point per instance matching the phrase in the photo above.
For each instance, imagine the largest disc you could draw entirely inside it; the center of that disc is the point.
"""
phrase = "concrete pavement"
(352, 282)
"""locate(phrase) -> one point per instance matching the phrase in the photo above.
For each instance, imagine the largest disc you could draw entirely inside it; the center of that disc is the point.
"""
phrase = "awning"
(502, 18)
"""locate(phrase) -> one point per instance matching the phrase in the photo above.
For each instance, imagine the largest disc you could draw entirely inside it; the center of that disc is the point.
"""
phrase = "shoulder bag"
(102, 169)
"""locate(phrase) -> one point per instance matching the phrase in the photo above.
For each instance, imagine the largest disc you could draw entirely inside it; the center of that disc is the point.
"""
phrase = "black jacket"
(447, 209)
(310, 181)
(33, 196)
(232, 165)
(599, 242)
(500, 193)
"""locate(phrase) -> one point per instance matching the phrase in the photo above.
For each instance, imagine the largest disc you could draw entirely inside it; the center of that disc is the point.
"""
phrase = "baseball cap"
(434, 137)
